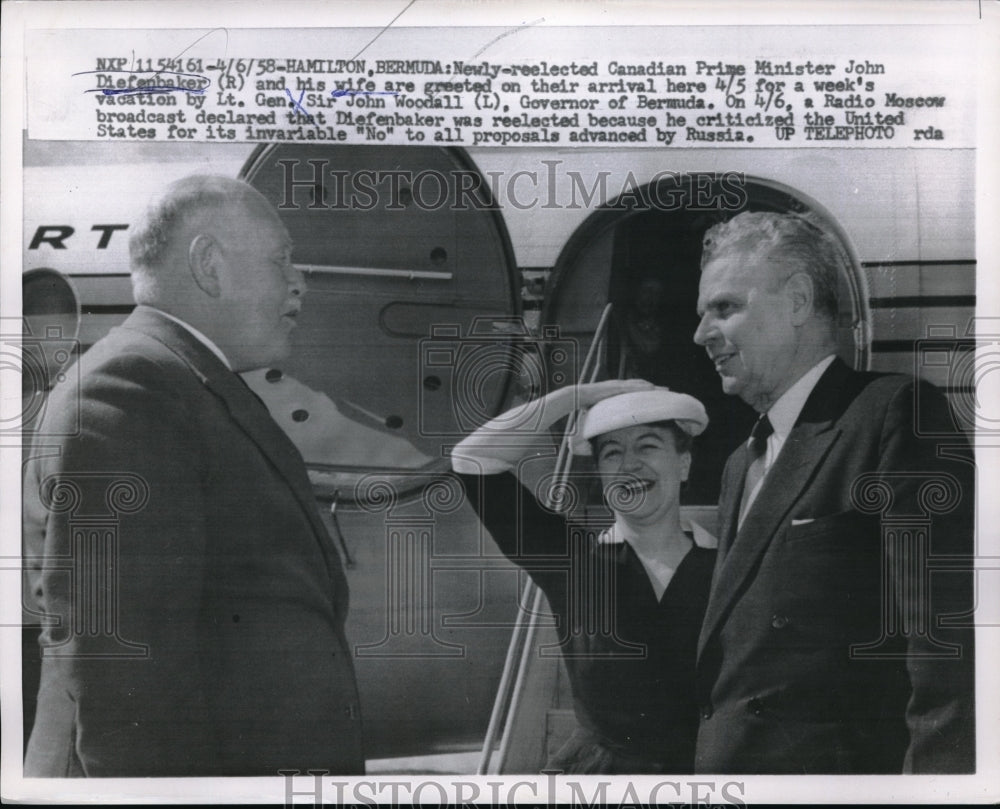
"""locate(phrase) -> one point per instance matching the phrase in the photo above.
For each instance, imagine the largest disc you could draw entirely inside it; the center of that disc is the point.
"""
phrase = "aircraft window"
(50, 308)
(331, 436)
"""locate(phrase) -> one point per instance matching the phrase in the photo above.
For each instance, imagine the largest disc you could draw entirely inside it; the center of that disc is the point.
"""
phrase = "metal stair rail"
(512, 679)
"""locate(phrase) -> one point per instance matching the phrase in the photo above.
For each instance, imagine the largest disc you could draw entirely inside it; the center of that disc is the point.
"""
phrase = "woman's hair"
(682, 439)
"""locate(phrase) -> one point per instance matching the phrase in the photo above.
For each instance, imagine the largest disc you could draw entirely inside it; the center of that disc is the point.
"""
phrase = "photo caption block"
(677, 88)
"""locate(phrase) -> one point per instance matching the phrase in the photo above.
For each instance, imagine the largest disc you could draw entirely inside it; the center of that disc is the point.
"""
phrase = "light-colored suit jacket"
(195, 601)
(826, 647)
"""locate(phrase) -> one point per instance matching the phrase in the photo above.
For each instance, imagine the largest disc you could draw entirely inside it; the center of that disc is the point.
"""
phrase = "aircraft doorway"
(643, 256)
(404, 344)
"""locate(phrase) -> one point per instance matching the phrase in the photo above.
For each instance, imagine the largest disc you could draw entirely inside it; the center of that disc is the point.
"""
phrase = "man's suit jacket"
(819, 652)
(196, 602)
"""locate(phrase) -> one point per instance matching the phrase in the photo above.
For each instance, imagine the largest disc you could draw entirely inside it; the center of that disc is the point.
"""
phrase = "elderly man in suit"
(195, 601)
(828, 645)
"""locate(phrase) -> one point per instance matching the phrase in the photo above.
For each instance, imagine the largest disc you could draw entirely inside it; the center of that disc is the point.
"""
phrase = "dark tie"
(756, 452)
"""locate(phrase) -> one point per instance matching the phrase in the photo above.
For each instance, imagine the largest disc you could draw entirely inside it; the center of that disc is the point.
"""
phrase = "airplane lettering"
(106, 231)
(56, 235)
(62, 232)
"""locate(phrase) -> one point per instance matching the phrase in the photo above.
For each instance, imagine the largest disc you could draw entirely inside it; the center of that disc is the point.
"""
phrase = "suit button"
(706, 711)
(756, 706)
(780, 621)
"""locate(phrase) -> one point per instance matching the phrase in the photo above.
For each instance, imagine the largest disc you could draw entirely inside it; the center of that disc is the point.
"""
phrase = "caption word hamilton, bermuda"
(761, 102)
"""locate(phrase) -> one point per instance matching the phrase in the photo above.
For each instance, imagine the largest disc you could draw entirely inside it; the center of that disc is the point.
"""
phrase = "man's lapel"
(245, 408)
(804, 451)
(733, 478)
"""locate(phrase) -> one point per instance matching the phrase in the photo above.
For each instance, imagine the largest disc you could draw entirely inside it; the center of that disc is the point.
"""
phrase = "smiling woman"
(648, 463)
(629, 600)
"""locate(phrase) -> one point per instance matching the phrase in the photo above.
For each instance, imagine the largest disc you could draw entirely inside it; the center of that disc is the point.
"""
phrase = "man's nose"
(297, 281)
(703, 333)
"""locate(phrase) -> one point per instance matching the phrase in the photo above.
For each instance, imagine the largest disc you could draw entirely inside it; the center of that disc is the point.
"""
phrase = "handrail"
(510, 689)
(383, 272)
(499, 702)
(534, 592)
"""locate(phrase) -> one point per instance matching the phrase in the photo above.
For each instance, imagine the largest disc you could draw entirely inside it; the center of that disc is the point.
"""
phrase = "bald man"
(195, 601)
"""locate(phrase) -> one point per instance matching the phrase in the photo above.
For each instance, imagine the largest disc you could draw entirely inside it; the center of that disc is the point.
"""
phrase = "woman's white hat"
(639, 407)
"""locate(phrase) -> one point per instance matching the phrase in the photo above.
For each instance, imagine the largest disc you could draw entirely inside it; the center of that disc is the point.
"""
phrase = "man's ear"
(799, 288)
(203, 261)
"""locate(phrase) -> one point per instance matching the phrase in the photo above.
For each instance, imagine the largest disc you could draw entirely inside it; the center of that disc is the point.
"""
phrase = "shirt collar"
(199, 336)
(618, 533)
(785, 412)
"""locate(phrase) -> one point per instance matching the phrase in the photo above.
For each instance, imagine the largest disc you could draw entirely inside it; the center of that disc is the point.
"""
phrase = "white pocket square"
(804, 522)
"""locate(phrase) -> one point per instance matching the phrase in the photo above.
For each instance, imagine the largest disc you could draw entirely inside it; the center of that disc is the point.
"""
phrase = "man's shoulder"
(871, 400)
(847, 389)
(878, 384)
(126, 355)
(868, 387)
(123, 369)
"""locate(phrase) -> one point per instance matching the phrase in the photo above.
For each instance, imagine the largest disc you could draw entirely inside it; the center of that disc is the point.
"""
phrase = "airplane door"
(406, 341)
(404, 254)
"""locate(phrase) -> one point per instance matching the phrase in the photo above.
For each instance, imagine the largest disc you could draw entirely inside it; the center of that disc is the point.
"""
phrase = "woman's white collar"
(618, 533)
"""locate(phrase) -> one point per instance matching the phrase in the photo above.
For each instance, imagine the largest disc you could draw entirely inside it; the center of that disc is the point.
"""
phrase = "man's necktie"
(755, 471)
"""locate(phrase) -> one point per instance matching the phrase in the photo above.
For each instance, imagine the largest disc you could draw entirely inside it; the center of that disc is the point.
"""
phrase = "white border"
(19, 16)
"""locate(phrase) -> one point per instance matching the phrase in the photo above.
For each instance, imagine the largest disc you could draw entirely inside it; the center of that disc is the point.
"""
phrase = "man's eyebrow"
(704, 304)
(720, 297)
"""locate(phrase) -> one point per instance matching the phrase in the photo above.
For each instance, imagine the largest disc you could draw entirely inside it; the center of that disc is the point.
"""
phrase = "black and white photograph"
(471, 402)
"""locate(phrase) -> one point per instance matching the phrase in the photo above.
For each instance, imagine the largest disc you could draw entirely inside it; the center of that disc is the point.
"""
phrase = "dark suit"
(200, 601)
(785, 682)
